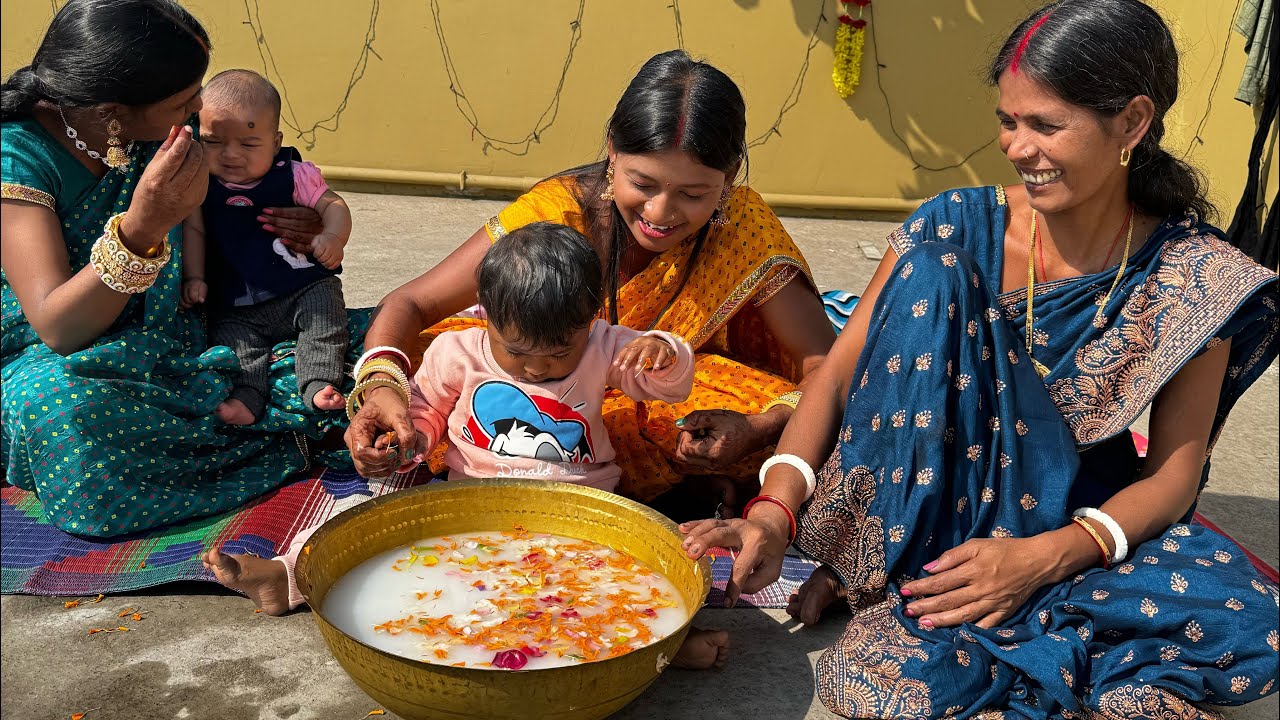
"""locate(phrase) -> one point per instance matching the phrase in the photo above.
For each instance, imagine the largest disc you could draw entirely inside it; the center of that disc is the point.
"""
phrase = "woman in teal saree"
(981, 397)
(108, 396)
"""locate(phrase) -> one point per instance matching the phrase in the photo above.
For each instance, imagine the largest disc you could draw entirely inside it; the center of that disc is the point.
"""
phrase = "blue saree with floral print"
(949, 434)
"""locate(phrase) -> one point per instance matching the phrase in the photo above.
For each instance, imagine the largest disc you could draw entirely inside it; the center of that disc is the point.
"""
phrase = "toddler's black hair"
(541, 282)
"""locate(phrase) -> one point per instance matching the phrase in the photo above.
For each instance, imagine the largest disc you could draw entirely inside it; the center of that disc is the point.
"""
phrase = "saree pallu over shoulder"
(707, 293)
(1196, 292)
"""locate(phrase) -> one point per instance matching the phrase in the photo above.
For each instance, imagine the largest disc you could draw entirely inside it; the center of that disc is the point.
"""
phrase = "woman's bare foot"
(266, 582)
(815, 595)
(329, 399)
(703, 650)
(234, 412)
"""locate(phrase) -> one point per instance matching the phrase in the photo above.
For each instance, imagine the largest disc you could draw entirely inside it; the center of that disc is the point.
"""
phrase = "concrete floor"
(201, 652)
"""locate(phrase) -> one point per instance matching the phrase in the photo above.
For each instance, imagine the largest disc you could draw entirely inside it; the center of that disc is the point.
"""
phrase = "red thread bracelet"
(791, 517)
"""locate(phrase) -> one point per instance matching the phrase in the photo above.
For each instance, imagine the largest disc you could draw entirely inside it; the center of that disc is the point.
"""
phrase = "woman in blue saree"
(109, 390)
(981, 397)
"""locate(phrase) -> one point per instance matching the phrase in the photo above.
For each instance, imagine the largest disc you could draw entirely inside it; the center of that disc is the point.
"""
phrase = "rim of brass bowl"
(416, 689)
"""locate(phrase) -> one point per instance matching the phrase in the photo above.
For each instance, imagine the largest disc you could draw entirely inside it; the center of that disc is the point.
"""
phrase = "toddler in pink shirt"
(522, 397)
(501, 422)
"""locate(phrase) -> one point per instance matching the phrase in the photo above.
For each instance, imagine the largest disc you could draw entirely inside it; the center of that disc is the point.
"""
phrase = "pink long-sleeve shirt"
(502, 427)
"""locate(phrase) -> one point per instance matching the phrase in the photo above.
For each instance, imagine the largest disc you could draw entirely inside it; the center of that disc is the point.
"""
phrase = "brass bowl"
(418, 690)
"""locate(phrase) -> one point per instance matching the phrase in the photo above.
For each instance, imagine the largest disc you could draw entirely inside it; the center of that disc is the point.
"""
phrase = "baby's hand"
(328, 250)
(194, 292)
(645, 353)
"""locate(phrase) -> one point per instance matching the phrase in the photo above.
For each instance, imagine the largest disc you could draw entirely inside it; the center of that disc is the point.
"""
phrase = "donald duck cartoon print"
(509, 422)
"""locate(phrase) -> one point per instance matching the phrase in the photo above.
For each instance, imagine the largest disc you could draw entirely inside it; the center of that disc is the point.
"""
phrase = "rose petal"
(510, 660)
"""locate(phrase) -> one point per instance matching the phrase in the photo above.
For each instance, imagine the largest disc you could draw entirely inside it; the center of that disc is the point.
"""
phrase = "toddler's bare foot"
(234, 412)
(703, 650)
(266, 582)
(815, 595)
(329, 399)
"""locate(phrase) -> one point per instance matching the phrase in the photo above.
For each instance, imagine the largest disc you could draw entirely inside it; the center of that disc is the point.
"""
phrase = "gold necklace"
(1098, 321)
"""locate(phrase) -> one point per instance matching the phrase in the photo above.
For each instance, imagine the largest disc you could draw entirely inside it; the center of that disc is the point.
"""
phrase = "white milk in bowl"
(505, 600)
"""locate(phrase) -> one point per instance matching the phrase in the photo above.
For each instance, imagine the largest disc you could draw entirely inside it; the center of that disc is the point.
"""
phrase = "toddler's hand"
(327, 249)
(194, 292)
(645, 353)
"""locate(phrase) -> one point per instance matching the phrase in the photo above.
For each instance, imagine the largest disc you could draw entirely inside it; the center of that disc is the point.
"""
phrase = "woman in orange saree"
(686, 251)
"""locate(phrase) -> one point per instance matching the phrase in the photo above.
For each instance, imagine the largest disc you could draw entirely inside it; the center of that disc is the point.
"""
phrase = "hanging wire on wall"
(1204, 119)
(547, 119)
(797, 87)
(875, 57)
(675, 8)
(544, 122)
(330, 123)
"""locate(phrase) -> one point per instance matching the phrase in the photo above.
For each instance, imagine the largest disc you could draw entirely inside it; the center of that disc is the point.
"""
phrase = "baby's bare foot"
(234, 412)
(329, 399)
(703, 650)
(266, 582)
(815, 595)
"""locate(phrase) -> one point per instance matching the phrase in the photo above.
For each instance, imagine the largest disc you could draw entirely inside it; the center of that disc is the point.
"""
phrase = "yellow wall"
(508, 59)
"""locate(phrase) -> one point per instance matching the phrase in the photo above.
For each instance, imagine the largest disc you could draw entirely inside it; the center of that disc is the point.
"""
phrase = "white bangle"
(381, 350)
(810, 481)
(1113, 527)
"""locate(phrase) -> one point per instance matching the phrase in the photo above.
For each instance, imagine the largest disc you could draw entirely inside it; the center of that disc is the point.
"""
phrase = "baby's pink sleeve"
(433, 392)
(308, 184)
(671, 384)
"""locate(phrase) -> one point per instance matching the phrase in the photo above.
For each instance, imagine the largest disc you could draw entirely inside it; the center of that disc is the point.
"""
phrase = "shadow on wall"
(927, 99)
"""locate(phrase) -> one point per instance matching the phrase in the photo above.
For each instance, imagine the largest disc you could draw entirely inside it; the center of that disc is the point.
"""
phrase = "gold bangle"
(356, 399)
(120, 268)
(790, 399)
(116, 276)
(380, 365)
(151, 263)
(386, 367)
(1102, 545)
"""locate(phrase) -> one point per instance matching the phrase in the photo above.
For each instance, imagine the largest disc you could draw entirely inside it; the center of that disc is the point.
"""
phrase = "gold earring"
(719, 217)
(117, 155)
(1125, 154)
(607, 194)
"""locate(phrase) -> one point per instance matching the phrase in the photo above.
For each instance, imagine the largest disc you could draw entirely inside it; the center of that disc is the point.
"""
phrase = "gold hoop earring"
(607, 194)
(117, 155)
(1125, 154)
(720, 217)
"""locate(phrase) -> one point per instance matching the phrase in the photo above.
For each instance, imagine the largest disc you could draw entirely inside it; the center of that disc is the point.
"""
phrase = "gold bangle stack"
(120, 268)
(364, 383)
(790, 399)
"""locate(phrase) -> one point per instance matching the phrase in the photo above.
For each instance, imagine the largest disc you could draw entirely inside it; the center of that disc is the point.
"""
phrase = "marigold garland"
(851, 36)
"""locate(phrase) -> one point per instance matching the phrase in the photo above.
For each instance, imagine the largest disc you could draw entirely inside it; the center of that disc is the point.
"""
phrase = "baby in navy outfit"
(258, 292)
